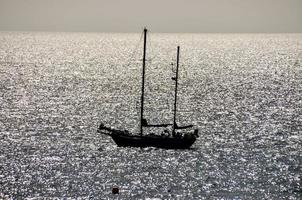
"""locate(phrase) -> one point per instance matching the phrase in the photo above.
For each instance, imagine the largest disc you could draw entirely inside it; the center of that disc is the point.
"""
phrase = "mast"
(175, 100)
(143, 83)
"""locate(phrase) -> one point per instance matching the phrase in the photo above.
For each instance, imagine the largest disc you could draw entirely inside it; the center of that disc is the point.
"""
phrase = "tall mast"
(143, 83)
(175, 100)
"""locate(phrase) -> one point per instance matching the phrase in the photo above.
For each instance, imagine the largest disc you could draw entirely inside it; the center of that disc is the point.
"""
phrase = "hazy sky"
(158, 15)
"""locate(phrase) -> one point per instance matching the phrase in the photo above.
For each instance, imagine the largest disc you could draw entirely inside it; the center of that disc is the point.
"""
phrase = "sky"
(201, 16)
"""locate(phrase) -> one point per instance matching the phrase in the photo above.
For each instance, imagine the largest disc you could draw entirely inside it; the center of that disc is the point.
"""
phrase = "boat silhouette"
(173, 137)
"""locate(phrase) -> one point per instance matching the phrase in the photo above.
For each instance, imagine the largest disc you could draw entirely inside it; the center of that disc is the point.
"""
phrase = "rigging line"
(151, 47)
(134, 51)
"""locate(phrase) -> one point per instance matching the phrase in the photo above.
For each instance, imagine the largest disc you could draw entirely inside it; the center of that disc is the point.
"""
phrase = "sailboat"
(180, 137)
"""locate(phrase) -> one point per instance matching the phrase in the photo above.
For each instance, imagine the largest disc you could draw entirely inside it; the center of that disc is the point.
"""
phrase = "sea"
(242, 91)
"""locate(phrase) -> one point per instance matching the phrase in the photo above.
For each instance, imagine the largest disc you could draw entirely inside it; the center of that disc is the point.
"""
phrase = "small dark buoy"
(115, 190)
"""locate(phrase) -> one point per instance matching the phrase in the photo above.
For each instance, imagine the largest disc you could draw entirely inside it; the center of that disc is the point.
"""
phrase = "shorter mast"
(175, 100)
(143, 83)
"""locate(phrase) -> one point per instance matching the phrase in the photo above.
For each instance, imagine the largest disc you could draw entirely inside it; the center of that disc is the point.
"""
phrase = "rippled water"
(243, 91)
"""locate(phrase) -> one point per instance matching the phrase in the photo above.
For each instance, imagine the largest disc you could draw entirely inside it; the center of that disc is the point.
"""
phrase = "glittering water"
(243, 91)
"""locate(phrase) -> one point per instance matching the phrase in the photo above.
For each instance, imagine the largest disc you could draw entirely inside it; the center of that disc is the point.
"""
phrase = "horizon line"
(157, 32)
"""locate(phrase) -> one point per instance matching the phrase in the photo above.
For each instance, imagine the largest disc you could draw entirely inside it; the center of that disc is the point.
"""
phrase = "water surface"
(243, 91)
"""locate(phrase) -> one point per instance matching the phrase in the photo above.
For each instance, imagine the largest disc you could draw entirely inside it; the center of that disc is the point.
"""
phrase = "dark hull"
(153, 141)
